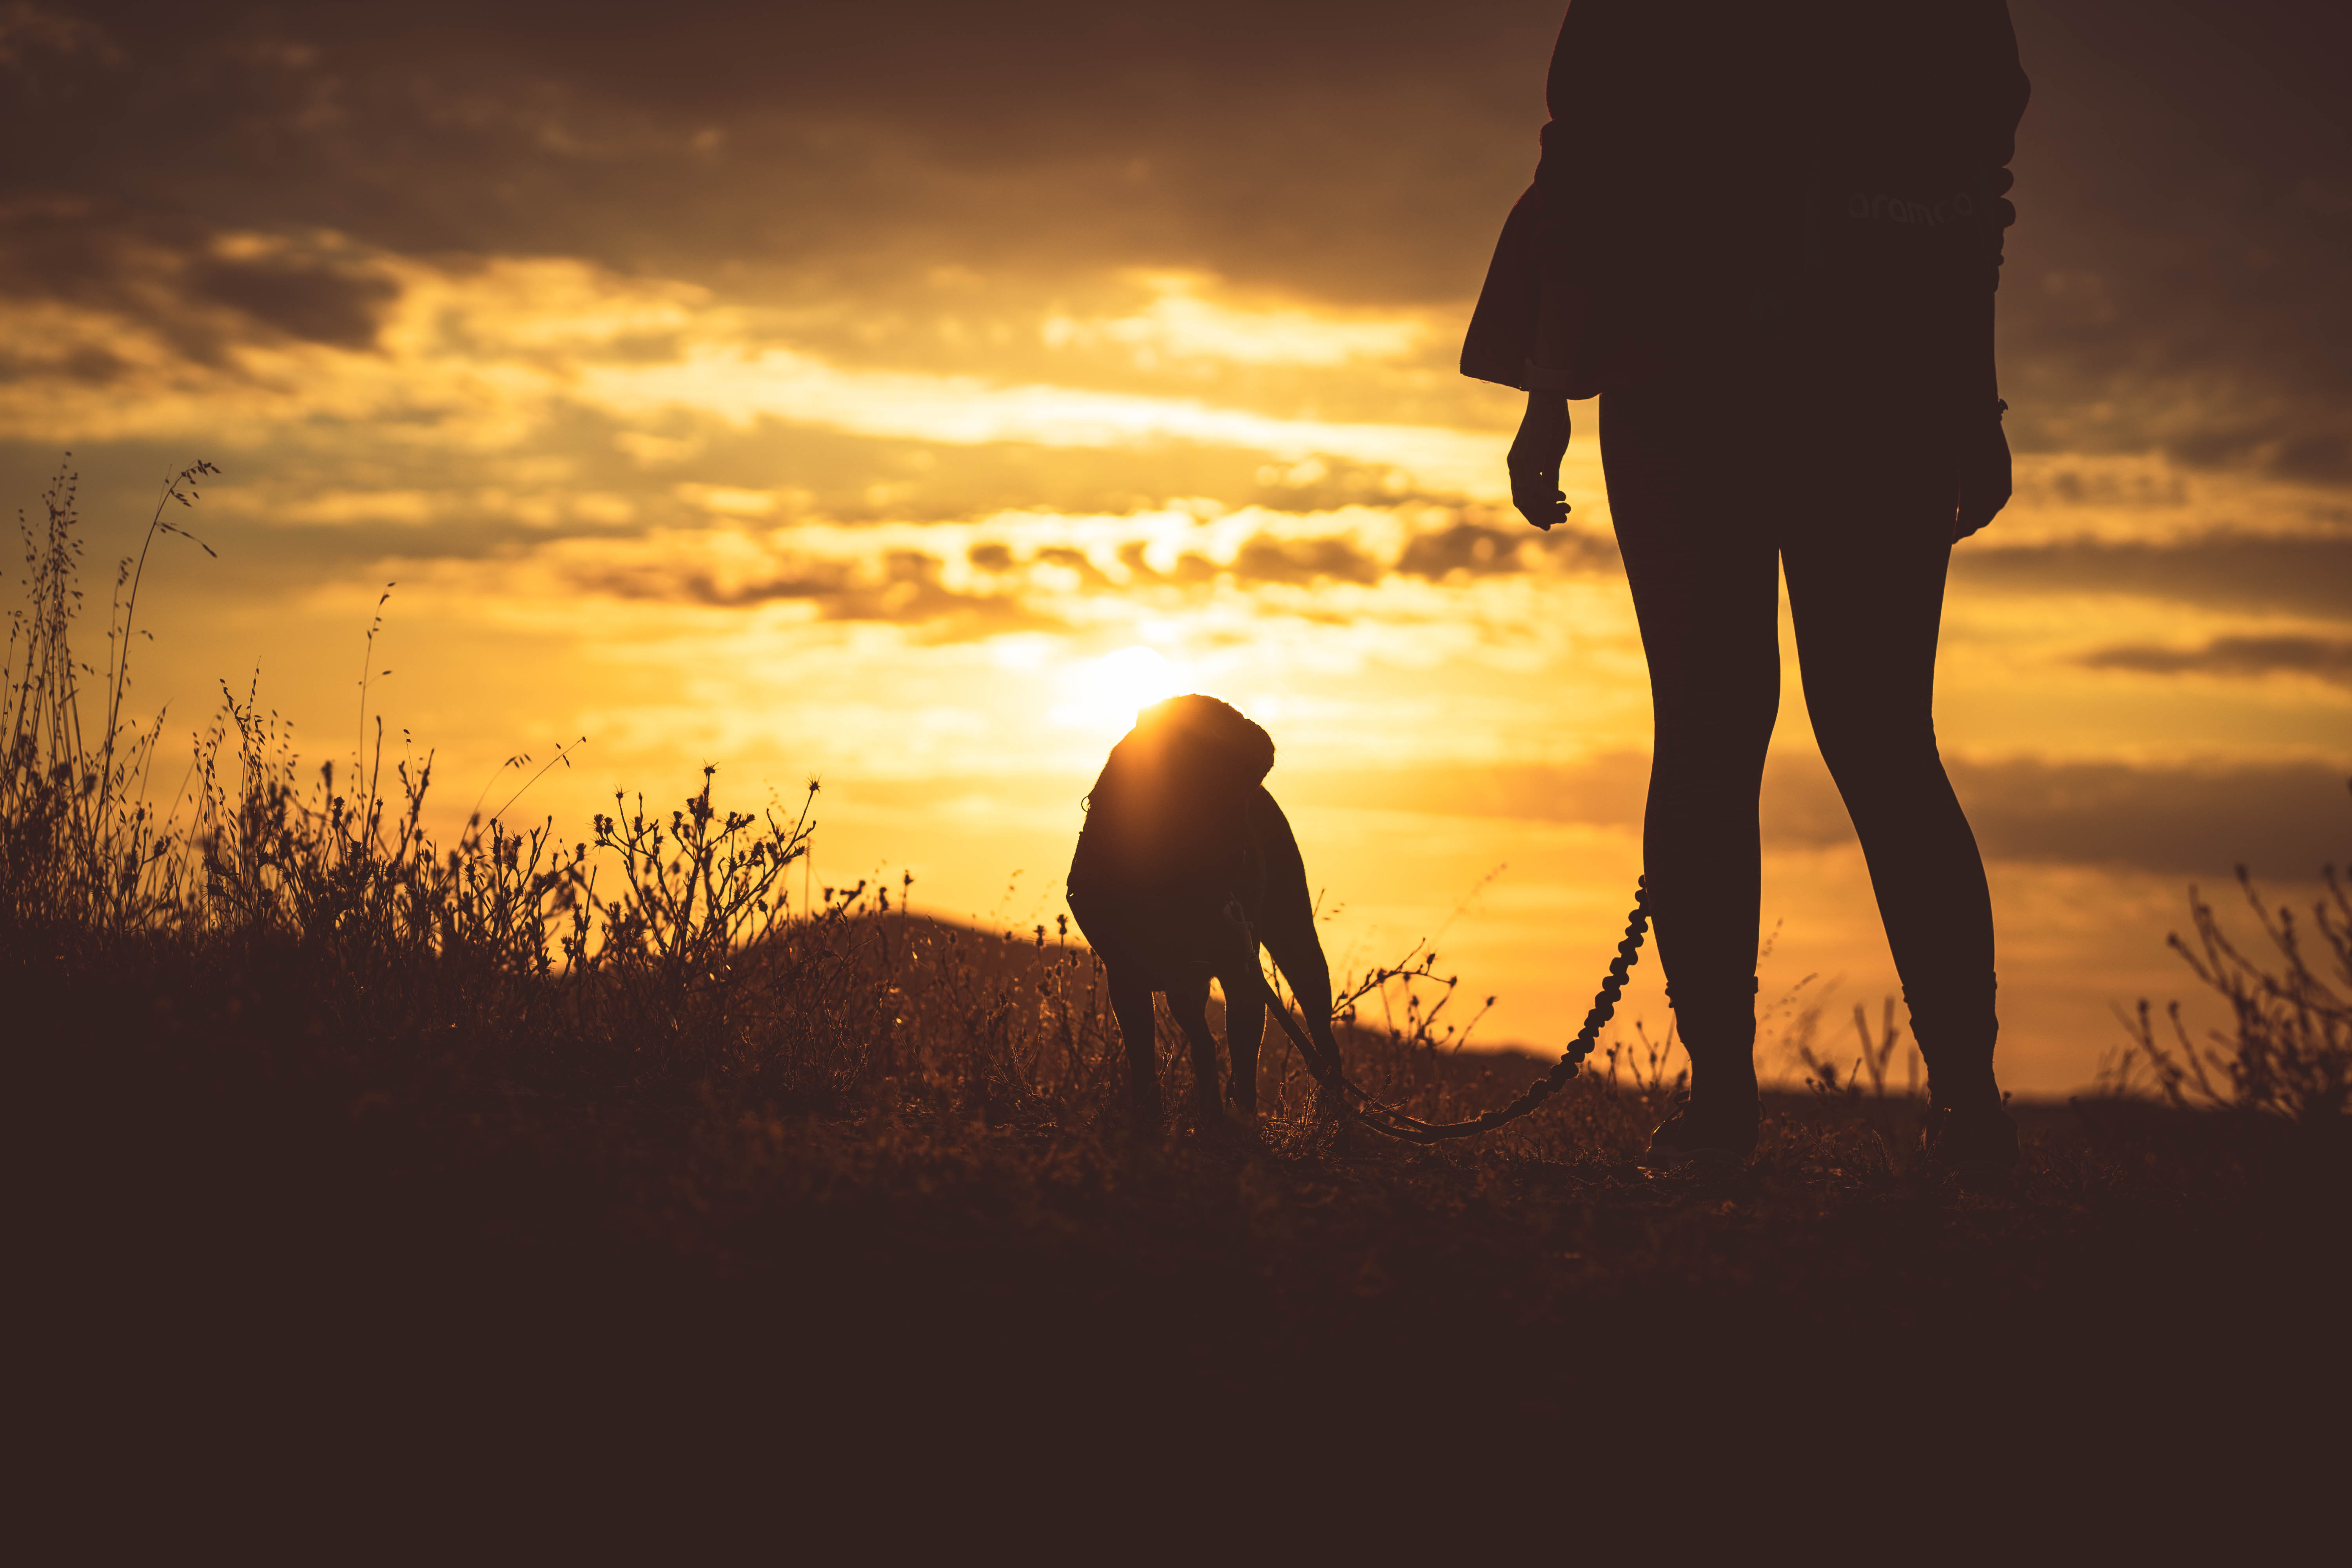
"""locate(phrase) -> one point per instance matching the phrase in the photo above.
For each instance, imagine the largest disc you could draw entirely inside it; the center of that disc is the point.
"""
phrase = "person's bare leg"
(1702, 565)
(1866, 616)
(1866, 592)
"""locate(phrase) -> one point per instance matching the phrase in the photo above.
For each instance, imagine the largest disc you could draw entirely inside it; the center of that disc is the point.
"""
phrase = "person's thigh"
(1696, 535)
(1881, 384)
(1866, 562)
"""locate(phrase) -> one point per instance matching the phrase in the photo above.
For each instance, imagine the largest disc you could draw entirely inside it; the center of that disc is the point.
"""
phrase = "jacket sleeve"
(1595, 142)
(1502, 336)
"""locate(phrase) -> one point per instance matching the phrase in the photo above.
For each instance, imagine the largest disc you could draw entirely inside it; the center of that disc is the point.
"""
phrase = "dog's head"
(1200, 739)
(1173, 795)
(1190, 746)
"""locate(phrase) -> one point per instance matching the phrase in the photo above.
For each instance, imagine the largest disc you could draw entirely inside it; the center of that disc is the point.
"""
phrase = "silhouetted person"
(1768, 235)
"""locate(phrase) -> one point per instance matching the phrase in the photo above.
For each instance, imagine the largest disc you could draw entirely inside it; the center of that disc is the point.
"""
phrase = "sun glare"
(1104, 693)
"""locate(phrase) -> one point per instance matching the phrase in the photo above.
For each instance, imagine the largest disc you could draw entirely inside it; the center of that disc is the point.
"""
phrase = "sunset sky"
(903, 395)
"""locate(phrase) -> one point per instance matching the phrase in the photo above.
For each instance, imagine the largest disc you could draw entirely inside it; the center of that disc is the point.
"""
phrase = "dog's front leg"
(1188, 1000)
(1130, 998)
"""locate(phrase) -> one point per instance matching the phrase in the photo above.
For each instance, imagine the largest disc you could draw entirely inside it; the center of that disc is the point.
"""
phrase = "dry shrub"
(503, 954)
(2288, 1051)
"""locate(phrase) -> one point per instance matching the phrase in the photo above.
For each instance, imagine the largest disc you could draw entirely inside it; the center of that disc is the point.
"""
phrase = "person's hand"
(1534, 457)
(1984, 478)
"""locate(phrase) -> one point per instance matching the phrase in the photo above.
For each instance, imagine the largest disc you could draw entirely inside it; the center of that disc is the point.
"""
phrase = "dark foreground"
(256, 1270)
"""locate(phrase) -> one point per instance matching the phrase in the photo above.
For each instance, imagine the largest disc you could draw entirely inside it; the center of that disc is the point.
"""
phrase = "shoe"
(1978, 1146)
(1718, 1132)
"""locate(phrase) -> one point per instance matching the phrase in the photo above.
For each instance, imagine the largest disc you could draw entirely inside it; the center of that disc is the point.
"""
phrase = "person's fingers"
(1986, 488)
(1539, 510)
(1976, 509)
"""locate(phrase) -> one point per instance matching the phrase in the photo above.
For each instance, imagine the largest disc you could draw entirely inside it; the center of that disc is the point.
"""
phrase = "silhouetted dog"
(1185, 866)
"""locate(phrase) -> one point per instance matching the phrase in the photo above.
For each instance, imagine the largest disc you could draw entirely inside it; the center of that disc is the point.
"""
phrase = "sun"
(1104, 694)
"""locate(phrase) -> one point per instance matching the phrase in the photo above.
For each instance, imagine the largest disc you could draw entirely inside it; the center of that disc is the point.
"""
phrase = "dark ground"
(252, 1273)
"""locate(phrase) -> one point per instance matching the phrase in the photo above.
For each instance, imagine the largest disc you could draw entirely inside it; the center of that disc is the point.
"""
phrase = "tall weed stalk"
(80, 840)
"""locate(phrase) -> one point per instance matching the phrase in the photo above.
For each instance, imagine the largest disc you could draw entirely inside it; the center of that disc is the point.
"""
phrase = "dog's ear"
(1207, 733)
